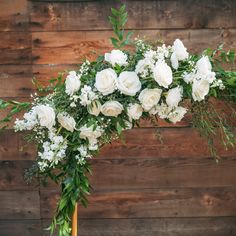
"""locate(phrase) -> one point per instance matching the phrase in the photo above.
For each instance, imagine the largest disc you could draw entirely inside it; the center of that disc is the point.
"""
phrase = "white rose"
(149, 98)
(200, 89)
(112, 108)
(179, 50)
(204, 65)
(116, 57)
(128, 83)
(94, 108)
(162, 74)
(174, 96)
(106, 81)
(46, 115)
(134, 111)
(66, 121)
(177, 114)
(90, 133)
(72, 83)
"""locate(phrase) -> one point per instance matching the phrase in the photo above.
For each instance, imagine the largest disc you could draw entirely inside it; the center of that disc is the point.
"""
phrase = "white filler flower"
(116, 57)
(134, 111)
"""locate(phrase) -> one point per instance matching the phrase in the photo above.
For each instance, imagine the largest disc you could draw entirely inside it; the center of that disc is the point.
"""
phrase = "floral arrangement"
(73, 118)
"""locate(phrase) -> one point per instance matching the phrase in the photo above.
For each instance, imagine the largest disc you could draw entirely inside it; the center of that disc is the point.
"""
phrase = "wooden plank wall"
(144, 187)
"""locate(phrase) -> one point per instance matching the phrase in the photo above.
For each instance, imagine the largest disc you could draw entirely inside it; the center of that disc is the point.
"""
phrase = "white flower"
(144, 67)
(106, 81)
(162, 74)
(116, 57)
(90, 133)
(179, 53)
(87, 96)
(200, 89)
(83, 150)
(204, 66)
(211, 77)
(66, 121)
(134, 111)
(45, 115)
(177, 114)
(174, 96)
(128, 83)
(112, 108)
(72, 83)
(162, 110)
(188, 77)
(94, 108)
(149, 98)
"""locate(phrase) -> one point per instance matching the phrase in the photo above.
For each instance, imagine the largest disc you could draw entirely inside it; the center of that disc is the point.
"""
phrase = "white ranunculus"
(162, 74)
(128, 83)
(200, 89)
(45, 115)
(90, 133)
(174, 96)
(179, 50)
(116, 57)
(177, 114)
(134, 111)
(94, 108)
(204, 65)
(66, 121)
(111, 108)
(72, 83)
(106, 81)
(149, 98)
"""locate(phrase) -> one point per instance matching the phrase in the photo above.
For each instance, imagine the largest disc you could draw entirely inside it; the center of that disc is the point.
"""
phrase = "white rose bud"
(128, 83)
(116, 57)
(149, 98)
(179, 50)
(45, 115)
(177, 115)
(90, 134)
(112, 108)
(94, 108)
(174, 96)
(66, 121)
(72, 83)
(200, 89)
(204, 65)
(162, 74)
(134, 111)
(106, 81)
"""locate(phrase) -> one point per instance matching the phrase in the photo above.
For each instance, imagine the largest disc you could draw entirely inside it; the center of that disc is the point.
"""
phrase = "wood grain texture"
(152, 203)
(19, 205)
(142, 14)
(75, 45)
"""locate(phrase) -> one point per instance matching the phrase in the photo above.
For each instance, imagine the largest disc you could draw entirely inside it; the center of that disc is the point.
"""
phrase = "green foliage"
(118, 20)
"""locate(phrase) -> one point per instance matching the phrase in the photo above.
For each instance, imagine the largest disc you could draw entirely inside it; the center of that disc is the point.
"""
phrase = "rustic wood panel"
(154, 14)
(152, 203)
(76, 45)
(14, 15)
(152, 227)
(21, 227)
(11, 176)
(19, 205)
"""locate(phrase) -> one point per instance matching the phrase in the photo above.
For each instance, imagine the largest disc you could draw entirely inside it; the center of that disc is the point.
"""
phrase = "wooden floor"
(148, 186)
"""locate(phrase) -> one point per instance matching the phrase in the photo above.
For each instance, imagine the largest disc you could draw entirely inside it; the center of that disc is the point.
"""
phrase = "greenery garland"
(70, 121)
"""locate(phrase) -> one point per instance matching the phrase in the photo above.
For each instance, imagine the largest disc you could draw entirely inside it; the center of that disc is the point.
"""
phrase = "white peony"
(116, 57)
(90, 133)
(66, 121)
(177, 114)
(111, 108)
(162, 74)
(149, 98)
(203, 66)
(134, 111)
(200, 89)
(174, 96)
(106, 81)
(179, 53)
(128, 83)
(94, 108)
(72, 83)
(45, 115)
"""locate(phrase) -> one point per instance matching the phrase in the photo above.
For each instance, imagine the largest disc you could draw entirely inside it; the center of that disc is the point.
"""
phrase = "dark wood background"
(144, 187)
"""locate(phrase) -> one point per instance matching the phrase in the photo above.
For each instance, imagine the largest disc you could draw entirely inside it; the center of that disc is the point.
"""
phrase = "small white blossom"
(87, 96)
(116, 57)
